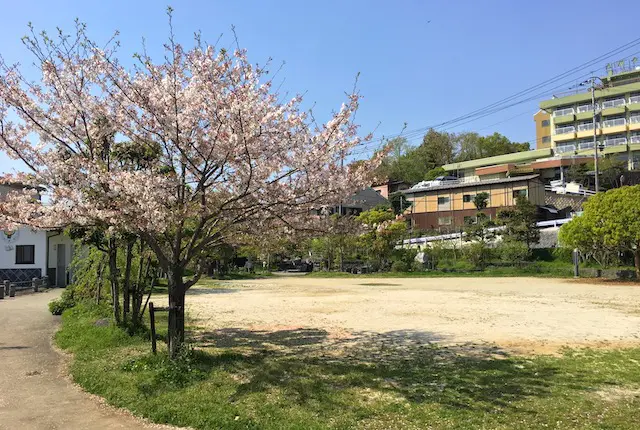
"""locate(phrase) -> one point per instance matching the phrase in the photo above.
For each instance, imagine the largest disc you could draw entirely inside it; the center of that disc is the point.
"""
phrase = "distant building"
(27, 253)
(385, 189)
(543, 129)
(617, 119)
(449, 206)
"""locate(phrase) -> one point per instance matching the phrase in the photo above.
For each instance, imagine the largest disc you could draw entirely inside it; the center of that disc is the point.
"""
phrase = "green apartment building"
(617, 114)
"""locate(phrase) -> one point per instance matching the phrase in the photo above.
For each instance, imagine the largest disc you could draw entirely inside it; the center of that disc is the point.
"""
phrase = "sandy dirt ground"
(522, 315)
(35, 392)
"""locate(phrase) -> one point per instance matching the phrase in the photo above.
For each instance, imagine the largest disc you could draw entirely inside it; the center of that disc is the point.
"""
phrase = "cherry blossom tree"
(225, 153)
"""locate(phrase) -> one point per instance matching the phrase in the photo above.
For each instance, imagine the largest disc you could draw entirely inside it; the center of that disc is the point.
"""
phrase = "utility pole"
(595, 133)
(592, 82)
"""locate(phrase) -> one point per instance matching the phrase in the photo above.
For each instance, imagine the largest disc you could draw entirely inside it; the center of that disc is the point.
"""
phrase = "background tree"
(232, 156)
(520, 223)
(610, 222)
(478, 229)
(434, 173)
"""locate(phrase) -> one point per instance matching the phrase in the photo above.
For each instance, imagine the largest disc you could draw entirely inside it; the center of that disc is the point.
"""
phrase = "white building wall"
(25, 236)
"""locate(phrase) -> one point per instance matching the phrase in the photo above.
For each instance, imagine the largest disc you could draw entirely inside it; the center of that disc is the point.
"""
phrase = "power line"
(498, 106)
(418, 133)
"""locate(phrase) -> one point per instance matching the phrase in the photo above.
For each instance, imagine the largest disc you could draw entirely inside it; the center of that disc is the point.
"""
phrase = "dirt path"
(34, 394)
(526, 315)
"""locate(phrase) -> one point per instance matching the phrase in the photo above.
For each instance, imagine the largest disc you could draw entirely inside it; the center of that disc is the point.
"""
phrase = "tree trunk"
(113, 277)
(176, 311)
(126, 291)
(99, 286)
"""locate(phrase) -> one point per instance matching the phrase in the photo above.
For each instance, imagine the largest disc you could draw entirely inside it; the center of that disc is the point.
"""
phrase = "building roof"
(586, 96)
(365, 199)
(456, 184)
(500, 159)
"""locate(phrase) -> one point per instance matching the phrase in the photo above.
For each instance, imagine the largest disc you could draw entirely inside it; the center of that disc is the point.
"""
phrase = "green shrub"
(563, 254)
(417, 266)
(400, 266)
(513, 252)
(477, 254)
(66, 301)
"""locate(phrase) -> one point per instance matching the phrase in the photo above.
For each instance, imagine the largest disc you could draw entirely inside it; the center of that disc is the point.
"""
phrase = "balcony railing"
(615, 142)
(614, 122)
(635, 138)
(585, 145)
(562, 112)
(587, 126)
(565, 148)
(586, 108)
(634, 99)
(634, 119)
(613, 103)
(565, 130)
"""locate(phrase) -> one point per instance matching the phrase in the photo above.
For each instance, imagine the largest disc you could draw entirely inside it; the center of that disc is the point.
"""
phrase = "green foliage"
(434, 173)
(473, 146)
(376, 216)
(609, 225)
(481, 200)
(520, 223)
(66, 301)
(513, 252)
(399, 202)
(400, 266)
(478, 231)
(477, 254)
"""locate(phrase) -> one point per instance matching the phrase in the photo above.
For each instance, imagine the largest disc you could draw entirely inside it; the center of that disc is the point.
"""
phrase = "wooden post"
(34, 284)
(6, 287)
(152, 323)
(12, 290)
(576, 263)
(1, 292)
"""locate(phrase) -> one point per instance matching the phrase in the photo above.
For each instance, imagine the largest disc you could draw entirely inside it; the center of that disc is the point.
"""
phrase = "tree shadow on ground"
(310, 367)
(209, 290)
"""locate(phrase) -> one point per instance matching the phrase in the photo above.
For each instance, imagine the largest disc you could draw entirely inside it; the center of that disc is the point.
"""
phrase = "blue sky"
(421, 62)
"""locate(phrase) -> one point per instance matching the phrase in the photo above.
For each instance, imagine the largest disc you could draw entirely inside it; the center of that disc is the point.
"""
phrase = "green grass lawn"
(539, 269)
(300, 379)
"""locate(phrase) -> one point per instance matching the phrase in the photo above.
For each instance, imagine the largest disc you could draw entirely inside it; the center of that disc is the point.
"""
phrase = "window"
(25, 254)
(546, 139)
(468, 220)
(545, 123)
(445, 220)
(520, 193)
(444, 203)
(466, 198)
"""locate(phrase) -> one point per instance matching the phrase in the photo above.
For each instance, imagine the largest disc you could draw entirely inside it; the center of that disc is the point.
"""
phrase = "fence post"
(152, 324)
(6, 287)
(12, 290)
(576, 263)
(1, 292)
(34, 284)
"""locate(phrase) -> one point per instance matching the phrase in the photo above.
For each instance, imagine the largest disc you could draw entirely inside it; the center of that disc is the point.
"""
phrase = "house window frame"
(545, 123)
(20, 254)
(516, 193)
(448, 217)
(467, 198)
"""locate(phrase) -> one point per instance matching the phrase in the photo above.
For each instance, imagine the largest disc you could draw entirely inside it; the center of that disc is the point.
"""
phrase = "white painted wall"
(26, 236)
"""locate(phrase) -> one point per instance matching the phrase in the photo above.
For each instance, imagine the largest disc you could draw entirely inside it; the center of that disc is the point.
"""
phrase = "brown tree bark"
(177, 293)
(113, 277)
(126, 291)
